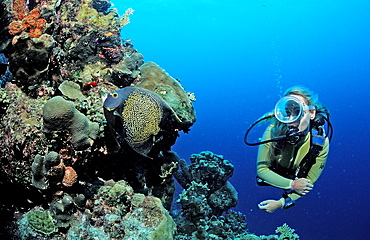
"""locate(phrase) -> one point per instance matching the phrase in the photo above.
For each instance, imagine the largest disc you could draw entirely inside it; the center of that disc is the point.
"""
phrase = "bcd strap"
(317, 143)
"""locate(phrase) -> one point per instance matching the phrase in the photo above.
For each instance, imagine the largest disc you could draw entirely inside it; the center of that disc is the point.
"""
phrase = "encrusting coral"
(71, 90)
(41, 221)
(25, 20)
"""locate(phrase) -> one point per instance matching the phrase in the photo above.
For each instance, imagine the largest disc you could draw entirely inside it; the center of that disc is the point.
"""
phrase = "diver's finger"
(263, 203)
(263, 207)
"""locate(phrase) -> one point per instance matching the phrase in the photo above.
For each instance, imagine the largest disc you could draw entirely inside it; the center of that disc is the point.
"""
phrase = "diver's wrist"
(293, 184)
(282, 201)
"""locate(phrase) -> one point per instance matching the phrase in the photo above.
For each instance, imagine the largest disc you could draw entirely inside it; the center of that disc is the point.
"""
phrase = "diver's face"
(304, 122)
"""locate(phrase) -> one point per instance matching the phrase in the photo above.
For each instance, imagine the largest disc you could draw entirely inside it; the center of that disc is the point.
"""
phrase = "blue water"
(238, 57)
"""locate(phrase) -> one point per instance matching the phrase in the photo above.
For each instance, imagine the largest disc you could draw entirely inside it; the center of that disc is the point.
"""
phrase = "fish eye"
(114, 94)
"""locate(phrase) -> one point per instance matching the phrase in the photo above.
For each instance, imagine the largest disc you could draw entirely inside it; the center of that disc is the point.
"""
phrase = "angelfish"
(136, 116)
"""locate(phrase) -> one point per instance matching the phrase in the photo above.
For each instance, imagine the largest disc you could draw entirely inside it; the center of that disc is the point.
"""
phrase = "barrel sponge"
(58, 114)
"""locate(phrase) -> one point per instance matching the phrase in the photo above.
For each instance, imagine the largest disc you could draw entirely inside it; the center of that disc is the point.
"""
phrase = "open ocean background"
(238, 57)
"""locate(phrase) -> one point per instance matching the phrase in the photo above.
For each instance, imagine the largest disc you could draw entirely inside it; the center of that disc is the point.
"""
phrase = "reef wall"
(73, 163)
(59, 160)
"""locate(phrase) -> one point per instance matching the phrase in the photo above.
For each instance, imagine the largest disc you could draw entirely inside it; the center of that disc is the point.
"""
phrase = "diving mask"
(290, 109)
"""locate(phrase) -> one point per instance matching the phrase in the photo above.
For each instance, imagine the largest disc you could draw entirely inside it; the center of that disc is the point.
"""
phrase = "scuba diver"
(293, 151)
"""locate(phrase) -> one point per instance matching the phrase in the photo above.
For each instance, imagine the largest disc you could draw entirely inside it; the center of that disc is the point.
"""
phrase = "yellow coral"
(141, 115)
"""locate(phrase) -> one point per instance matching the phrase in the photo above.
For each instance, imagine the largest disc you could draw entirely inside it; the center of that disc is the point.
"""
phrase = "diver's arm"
(263, 163)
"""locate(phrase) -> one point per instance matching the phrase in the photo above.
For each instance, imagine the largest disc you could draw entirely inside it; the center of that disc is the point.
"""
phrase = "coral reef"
(57, 150)
(21, 134)
(56, 146)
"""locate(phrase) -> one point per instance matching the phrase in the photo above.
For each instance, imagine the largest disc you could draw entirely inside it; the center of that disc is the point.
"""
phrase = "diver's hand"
(302, 186)
(270, 206)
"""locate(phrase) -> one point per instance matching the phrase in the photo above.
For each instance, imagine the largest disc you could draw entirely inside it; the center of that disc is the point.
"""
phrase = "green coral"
(41, 221)
(286, 233)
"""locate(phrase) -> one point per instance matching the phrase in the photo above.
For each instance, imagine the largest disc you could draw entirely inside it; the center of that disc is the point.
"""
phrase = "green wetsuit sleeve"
(263, 163)
(317, 168)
